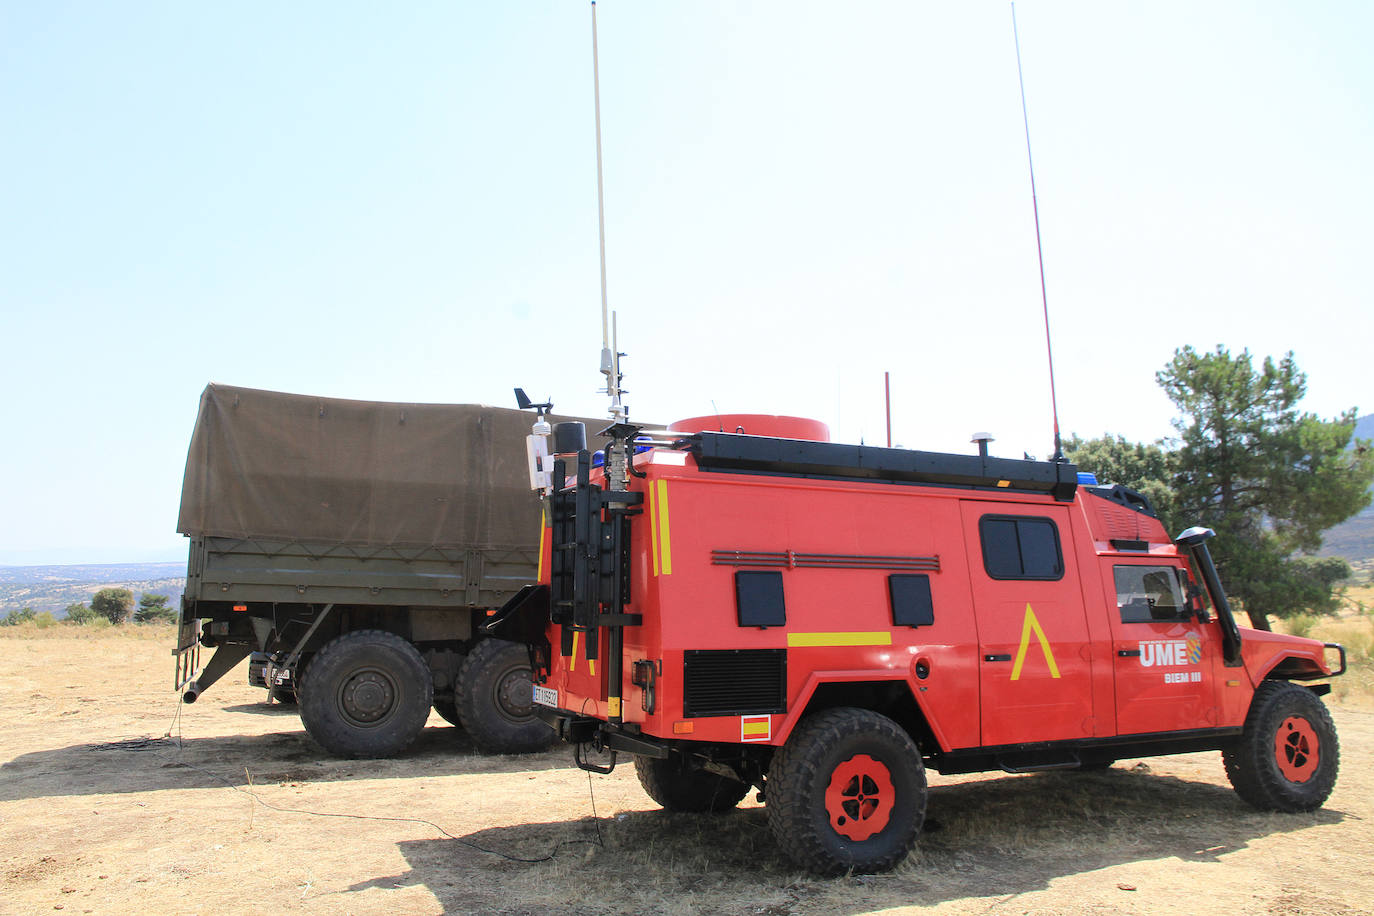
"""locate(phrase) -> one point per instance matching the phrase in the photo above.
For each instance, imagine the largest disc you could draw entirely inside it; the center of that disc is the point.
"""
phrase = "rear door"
(1034, 668)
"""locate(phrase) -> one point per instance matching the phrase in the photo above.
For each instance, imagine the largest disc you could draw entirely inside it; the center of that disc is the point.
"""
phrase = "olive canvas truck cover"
(264, 464)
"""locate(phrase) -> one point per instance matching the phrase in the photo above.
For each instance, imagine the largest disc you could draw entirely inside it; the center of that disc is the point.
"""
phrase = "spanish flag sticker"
(755, 728)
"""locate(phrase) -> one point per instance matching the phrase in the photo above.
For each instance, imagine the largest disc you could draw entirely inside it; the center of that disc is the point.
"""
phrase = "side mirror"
(1193, 591)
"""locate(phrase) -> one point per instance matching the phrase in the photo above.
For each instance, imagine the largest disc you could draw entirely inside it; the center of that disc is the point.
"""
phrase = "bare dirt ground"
(99, 814)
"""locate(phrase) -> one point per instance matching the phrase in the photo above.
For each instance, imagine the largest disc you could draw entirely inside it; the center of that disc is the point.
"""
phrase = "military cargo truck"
(352, 547)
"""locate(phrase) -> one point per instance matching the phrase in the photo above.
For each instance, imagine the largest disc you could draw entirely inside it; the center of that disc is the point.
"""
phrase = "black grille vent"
(734, 682)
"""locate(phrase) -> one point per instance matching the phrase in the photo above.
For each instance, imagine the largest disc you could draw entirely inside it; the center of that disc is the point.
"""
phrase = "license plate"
(546, 696)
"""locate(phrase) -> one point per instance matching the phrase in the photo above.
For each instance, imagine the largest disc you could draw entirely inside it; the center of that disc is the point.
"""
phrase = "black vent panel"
(734, 682)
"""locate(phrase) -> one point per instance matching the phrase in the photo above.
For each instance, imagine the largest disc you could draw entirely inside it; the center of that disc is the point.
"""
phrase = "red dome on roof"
(755, 424)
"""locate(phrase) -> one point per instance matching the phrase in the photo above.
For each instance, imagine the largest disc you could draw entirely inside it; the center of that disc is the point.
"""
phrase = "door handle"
(997, 658)
(1128, 653)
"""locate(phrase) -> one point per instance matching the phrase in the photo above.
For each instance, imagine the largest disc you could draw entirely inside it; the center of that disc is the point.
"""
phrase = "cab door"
(1034, 668)
(1163, 654)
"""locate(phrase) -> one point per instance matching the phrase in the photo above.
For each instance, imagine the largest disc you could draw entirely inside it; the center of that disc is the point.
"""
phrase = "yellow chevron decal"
(1032, 625)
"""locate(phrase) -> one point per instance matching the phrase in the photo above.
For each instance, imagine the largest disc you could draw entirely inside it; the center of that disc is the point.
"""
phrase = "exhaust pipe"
(193, 690)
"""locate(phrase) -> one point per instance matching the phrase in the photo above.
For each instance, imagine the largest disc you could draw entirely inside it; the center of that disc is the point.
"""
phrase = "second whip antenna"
(1039, 250)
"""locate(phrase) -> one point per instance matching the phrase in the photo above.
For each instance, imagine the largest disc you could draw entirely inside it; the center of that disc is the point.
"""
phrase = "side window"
(1020, 547)
(1145, 594)
(911, 602)
(759, 600)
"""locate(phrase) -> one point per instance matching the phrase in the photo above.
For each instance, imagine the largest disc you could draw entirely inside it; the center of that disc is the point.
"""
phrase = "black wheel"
(677, 788)
(447, 710)
(366, 694)
(847, 792)
(1288, 755)
(495, 700)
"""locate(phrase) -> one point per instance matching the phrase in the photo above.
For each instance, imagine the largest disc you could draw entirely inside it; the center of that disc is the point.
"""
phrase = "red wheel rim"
(860, 797)
(1296, 749)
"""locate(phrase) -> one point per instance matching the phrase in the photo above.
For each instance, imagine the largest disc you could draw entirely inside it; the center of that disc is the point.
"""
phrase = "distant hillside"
(1354, 538)
(1364, 427)
(52, 588)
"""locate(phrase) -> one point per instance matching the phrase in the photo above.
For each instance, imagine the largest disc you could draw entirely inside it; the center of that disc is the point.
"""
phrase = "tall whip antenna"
(609, 360)
(1039, 250)
(887, 400)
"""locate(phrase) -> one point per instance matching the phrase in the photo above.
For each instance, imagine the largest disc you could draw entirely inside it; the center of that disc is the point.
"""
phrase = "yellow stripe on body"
(591, 662)
(755, 728)
(539, 563)
(876, 638)
(667, 549)
(653, 525)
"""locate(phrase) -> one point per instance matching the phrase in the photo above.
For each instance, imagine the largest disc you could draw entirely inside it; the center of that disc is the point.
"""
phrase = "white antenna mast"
(610, 360)
(619, 449)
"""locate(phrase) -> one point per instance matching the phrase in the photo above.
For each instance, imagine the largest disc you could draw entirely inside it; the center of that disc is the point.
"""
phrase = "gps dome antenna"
(1039, 249)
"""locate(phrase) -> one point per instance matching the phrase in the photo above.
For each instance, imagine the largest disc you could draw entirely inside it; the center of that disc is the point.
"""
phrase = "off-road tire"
(366, 694)
(850, 770)
(448, 711)
(677, 788)
(495, 701)
(1288, 756)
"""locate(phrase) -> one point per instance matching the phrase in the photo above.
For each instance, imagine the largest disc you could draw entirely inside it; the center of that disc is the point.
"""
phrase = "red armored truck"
(763, 608)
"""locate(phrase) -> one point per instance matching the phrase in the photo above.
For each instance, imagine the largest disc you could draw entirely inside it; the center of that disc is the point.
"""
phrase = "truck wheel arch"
(889, 695)
(1290, 667)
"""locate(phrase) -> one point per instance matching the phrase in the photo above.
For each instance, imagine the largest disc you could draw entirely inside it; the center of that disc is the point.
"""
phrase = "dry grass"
(94, 818)
(1353, 628)
(1356, 633)
(98, 629)
(1358, 599)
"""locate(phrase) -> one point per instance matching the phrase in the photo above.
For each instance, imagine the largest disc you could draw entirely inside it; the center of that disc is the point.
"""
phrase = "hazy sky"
(398, 202)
